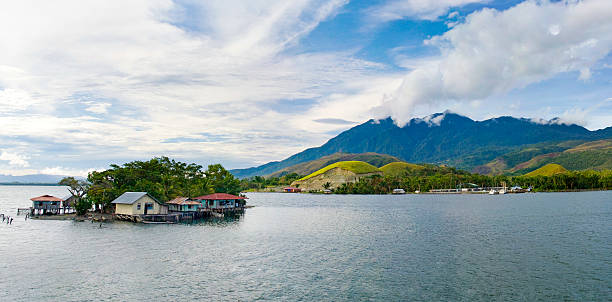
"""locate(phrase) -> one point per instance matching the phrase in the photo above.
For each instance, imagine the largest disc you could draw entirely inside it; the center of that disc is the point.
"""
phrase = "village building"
(183, 204)
(221, 201)
(45, 205)
(292, 190)
(138, 203)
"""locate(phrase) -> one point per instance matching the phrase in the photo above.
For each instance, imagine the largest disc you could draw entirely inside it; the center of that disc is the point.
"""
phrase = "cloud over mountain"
(494, 52)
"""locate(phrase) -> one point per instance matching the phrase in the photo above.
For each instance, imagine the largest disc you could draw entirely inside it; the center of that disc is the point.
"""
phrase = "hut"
(68, 203)
(183, 204)
(221, 201)
(138, 203)
(45, 205)
(292, 190)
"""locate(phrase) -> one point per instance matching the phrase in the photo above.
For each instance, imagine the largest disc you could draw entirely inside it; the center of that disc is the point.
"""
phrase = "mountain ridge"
(441, 138)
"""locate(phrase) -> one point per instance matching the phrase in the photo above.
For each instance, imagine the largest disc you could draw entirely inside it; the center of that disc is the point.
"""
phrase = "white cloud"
(98, 108)
(15, 159)
(416, 9)
(65, 171)
(222, 73)
(494, 52)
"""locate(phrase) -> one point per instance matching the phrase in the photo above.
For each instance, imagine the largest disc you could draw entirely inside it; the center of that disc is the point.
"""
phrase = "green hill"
(306, 168)
(357, 167)
(399, 168)
(547, 170)
(573, 155)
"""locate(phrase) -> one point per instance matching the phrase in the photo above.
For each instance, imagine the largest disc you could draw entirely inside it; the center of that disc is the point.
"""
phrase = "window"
(138, 207)
(149, 206)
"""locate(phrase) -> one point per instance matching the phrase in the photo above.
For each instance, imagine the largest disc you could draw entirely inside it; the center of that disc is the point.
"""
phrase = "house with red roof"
(221, 201)
(46, 204)
(292, 190)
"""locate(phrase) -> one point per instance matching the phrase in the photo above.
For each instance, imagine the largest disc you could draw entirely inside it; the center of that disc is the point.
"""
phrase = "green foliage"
(78, 189)
(570, 180)
(222, 180)
(161, 177)
(260, 182)
(357, 167)
(82, 205)
(567, 181)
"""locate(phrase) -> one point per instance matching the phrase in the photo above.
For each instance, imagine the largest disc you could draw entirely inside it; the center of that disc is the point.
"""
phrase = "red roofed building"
(222, 201)
(46, 204)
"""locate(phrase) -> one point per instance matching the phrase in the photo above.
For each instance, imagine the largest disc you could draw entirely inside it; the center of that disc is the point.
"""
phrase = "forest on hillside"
(434, 177)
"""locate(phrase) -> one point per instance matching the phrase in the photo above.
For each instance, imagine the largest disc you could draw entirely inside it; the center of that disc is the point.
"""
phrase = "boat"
(398, 191)
(493, 192)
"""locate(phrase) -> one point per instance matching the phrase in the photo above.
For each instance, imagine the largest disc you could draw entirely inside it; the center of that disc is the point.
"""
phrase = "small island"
(160, 190)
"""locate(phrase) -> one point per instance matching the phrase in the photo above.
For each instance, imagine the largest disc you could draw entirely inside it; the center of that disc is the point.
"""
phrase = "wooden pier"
(178, 217)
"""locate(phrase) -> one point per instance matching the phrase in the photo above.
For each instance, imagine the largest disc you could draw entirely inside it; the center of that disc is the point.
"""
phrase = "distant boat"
(398, 191)
(502, 191)
(493, 192)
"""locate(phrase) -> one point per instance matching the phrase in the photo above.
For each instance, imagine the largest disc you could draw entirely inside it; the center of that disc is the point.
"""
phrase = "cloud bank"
(115, 79)
(494, 52)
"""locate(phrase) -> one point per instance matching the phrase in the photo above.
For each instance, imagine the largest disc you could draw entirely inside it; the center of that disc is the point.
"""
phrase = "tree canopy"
(162, 177)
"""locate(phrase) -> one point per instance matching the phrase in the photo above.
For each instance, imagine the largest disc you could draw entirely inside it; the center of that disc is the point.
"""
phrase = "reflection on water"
(322, 247)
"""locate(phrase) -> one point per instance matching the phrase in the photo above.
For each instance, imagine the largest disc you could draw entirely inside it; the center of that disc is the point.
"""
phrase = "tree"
(78, 189)
(221, 180)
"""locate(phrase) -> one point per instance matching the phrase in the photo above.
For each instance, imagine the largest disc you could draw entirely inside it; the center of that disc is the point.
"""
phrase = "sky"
(84, 84)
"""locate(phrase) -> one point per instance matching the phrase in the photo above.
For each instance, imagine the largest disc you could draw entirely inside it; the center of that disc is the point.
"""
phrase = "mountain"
(308, 167)
(441, 138)
(573, 155)
(31, 179)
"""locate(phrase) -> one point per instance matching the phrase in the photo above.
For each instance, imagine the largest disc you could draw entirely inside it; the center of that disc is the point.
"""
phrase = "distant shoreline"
(433, 193)
(29, 184)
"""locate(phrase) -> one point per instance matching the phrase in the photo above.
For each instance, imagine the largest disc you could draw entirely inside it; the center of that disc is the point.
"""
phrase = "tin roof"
(183, 200)
(219, 196)
(131, 197)
(46, 198)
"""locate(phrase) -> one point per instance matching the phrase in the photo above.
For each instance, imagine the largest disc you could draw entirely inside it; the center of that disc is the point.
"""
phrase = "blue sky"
(86, 84)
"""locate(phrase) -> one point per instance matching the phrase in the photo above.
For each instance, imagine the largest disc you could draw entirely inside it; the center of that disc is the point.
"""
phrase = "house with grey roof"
(138, 203)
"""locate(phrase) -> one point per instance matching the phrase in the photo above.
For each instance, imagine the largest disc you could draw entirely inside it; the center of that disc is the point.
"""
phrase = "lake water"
(300, 247)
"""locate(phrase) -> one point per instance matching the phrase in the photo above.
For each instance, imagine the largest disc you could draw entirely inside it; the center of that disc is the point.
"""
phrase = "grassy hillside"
(547, 170)
(399, 168)
(357, 167)
(573, 155)
(306, 168)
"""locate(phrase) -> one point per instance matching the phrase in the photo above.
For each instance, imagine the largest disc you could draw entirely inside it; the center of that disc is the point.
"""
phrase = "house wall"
(185, 208)
(132, 209)
(125, 209)
(216, 204)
